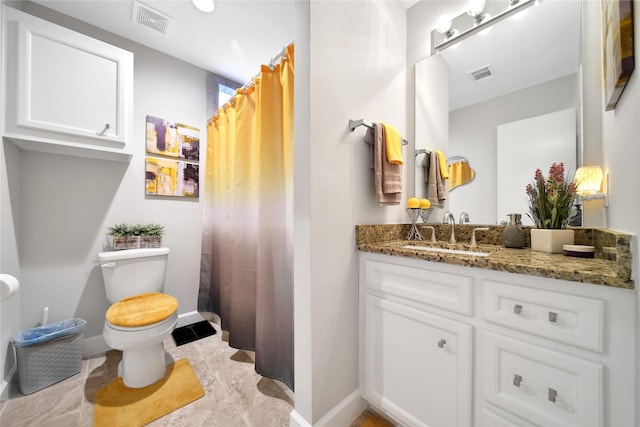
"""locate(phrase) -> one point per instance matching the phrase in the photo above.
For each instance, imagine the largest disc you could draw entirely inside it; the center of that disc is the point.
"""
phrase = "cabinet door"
(417, 364)
(72, 84)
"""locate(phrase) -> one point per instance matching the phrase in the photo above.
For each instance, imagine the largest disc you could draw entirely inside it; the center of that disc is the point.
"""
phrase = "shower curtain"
(246, 272)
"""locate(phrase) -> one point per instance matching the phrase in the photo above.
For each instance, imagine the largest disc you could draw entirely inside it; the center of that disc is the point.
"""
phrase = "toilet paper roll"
(8, 286)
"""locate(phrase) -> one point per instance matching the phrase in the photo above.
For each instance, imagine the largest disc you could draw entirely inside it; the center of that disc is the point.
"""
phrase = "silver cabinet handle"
(517, 309)
(553, 394)
(553, 317)
(442, 343)
(517, 379)
(103, 132)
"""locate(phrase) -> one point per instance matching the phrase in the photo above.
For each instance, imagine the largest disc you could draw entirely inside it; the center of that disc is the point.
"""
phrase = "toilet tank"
(133, 271)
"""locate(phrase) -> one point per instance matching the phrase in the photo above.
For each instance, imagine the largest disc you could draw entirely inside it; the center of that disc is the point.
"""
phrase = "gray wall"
(65, 203)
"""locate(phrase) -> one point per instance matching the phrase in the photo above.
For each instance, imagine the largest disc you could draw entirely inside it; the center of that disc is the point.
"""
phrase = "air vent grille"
(144, 15)
(481, 74)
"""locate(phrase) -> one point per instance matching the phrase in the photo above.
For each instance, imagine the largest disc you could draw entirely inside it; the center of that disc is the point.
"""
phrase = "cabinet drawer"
(562, 317)
(541, 385)
(443, 290)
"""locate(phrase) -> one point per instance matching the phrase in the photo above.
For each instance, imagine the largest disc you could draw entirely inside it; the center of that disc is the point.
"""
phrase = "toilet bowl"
(128, 328)
(141, 316)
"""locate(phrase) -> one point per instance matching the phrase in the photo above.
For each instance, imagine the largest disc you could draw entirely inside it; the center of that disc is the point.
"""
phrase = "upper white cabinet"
(66, 92)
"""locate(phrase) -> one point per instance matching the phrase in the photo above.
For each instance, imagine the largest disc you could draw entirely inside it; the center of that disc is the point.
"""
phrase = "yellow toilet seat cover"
(142, 310)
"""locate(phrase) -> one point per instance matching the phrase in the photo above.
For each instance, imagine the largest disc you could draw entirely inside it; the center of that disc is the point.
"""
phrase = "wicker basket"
(47, 363)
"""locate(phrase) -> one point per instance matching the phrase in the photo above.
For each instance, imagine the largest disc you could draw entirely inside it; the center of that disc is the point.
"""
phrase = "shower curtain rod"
(271, 64)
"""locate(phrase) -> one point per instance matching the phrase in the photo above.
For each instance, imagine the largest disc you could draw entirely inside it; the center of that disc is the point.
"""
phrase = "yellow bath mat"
(118, 405)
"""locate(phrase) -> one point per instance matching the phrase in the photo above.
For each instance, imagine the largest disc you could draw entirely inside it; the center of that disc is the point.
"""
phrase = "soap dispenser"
(512, 235)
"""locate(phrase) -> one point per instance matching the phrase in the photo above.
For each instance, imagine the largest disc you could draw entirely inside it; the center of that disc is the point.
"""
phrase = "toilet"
(141, 316)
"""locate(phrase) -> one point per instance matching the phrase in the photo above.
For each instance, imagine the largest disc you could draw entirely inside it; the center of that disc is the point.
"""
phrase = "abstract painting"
(165, 177)
(172, 139)
(617, 42)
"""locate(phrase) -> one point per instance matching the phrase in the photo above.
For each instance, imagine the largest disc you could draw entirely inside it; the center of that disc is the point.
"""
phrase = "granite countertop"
(610, 267)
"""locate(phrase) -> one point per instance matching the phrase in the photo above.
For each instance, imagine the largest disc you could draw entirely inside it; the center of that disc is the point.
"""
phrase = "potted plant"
(123, 236)
(150, 235)
(550, 201)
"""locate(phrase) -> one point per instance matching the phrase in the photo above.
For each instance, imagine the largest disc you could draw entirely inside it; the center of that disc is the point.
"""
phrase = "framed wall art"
(617, 43)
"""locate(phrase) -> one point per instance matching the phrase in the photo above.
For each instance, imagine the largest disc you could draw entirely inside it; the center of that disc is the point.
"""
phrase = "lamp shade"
(588, 179)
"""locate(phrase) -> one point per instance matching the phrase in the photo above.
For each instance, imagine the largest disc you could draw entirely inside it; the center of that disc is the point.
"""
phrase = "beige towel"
(435, 187)
(387, 176)
(440, 180)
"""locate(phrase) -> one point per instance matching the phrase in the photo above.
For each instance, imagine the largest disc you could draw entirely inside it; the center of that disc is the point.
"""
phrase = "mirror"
(530, 63)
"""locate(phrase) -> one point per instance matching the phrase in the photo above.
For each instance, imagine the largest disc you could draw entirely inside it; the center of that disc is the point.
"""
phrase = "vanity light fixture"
(590, 180)
(205, 6)
(475, 9)
(483, 13)
(443, 26)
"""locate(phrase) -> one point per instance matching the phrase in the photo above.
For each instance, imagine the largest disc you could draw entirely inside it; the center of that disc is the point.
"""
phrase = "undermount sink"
(464, 251)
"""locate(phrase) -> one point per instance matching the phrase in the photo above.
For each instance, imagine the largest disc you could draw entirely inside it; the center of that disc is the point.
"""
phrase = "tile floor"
(234, 394)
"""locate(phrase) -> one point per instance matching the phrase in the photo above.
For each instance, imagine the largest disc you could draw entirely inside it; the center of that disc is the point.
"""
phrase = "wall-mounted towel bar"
(456, 159)
(421, 151)
(353, 124)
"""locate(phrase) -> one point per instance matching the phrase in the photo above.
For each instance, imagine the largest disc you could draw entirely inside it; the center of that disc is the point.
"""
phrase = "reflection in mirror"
(530, 63)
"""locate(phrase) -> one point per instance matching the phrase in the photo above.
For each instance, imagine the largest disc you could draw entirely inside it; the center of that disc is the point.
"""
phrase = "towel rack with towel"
(456, 159)
(353, 124)
(421, 151)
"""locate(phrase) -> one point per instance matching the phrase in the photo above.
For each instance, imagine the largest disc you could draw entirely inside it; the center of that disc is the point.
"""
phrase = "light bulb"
(475, 8)
(443, 26)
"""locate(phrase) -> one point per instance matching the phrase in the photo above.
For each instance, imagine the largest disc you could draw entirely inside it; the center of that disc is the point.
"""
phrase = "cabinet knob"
(517, 309)
(103, 132)
(553, 317)
(517, 379)
(442, 343)
(553, 394)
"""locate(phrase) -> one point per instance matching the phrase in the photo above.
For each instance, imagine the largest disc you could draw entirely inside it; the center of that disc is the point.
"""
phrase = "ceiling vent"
(150, 18)
(481, 74)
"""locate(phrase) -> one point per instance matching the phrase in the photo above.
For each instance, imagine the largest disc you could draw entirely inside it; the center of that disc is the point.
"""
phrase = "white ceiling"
(232, 41)
(538, 44)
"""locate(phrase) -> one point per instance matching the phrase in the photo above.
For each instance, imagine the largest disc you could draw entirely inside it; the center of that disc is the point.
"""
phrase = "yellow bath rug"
(118, 405)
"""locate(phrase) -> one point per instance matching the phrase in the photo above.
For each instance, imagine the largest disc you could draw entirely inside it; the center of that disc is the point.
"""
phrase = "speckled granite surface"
(611, 267)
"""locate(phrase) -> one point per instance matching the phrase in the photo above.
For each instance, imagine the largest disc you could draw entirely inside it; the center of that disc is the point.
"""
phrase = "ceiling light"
(206, 6)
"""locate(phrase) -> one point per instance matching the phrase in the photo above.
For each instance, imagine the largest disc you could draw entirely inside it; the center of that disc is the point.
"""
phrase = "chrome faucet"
(449, 219)
(464, 217)
(473, 235)
(433, 232)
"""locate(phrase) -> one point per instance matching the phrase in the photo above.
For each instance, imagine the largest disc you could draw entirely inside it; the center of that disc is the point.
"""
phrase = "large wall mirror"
(525, 114)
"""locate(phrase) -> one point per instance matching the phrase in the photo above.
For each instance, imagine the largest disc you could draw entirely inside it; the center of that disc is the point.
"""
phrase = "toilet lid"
(142, 310)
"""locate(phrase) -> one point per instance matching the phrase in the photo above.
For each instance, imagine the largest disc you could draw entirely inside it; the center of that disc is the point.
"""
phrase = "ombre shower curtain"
(246, 272)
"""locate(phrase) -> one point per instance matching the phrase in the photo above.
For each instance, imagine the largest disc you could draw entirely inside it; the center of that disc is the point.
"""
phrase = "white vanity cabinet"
(66, 92)
(445, 345)
(416, 363)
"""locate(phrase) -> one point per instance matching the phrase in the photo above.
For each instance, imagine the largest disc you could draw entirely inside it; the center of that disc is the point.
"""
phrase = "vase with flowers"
(550, 201)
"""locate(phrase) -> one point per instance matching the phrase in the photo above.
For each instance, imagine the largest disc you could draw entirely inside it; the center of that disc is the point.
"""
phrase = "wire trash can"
(49, 354)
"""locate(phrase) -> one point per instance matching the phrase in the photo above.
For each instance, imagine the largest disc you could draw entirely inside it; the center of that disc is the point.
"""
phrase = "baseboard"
(94, 345)
(341, 415)
(4, 385)
(189, 318)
